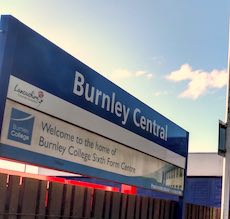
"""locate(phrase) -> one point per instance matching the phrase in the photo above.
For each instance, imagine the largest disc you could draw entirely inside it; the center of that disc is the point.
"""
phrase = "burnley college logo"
(21, 126)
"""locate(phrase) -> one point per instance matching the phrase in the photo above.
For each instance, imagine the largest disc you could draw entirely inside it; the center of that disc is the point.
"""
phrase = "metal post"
(226, 163)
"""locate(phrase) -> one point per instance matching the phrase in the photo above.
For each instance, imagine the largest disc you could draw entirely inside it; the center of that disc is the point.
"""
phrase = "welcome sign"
(40, 75)
(51, 104)
(29, 130)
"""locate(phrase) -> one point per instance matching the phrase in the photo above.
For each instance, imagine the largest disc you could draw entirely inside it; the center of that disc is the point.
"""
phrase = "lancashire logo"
(32, 96)
(21, 126)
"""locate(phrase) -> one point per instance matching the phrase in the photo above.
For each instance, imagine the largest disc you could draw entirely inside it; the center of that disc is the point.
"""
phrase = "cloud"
(140, 73)
(200, 82)
(149, 75)
(122, 74)
(160, 93)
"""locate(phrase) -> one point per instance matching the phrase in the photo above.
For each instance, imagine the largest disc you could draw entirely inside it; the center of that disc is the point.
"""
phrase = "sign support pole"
(226, 163)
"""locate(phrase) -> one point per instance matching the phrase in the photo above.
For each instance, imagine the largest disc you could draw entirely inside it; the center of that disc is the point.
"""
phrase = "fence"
(201, 212)
(29, 198)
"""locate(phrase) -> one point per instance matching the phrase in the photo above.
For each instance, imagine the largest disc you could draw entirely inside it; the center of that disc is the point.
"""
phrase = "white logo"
(33, 96)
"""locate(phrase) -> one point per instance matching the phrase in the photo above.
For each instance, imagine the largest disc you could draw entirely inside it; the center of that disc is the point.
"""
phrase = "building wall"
(204, 164)
(203, 191)
(204, 180)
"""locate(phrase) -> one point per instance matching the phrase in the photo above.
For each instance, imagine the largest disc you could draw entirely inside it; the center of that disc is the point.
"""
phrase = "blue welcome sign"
(39, 74)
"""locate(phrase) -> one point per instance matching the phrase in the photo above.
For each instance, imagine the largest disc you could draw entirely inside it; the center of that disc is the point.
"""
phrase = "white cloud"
(199, 81)
(184, 73)
(160, 93)
(149, 76)
(122, 74)
(140, 73)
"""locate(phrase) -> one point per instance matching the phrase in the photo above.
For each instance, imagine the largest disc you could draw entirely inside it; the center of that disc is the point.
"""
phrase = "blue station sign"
(37, 73)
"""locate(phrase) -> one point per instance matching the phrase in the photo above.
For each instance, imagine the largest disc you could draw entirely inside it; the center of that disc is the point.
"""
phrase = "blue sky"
(172, 55)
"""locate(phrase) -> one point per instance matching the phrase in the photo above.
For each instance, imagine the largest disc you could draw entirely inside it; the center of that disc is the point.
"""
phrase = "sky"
(171, 55)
